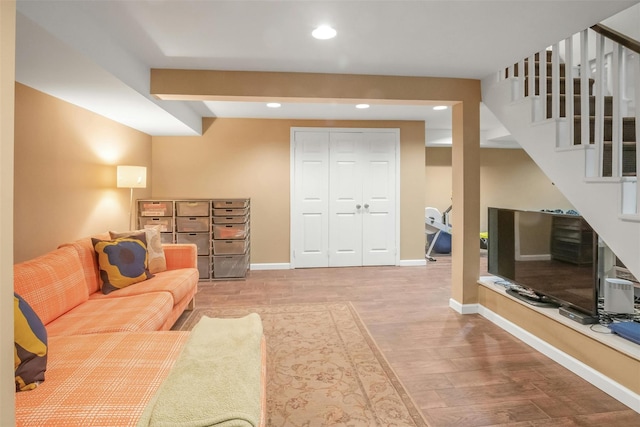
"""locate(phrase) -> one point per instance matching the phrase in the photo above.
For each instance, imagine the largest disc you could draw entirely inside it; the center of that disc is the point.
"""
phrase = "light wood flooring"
(460, 370)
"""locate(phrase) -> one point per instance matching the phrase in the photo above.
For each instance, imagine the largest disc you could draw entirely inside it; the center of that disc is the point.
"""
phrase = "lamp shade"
(132, 177)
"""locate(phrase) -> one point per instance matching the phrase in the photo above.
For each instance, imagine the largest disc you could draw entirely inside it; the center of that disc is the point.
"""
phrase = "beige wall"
(464, 96)
(251, 158)
(65, 172)
(508, 179)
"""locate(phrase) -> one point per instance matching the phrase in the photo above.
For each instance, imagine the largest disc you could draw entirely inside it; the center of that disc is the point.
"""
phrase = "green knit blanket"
(215, 380)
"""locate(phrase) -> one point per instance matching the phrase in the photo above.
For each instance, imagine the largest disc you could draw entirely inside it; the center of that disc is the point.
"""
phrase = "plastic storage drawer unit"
(230, 266)
(201, 240)
(165, 223)
(166, 238)
(229, 247)
(204, 265)
(192, 208)
(230, 212)
(230, 231)
(155, 208)
(192, 224)
(230, 219)
(230, 204)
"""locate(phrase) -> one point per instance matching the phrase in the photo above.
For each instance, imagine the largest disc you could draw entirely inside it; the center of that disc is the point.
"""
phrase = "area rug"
(323, 368)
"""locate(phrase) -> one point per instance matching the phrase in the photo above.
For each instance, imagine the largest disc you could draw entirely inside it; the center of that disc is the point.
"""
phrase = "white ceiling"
(97, 54)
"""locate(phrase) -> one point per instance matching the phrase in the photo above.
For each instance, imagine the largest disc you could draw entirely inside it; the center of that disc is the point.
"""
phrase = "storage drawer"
(230, 219)
(165, 223)
(230, 231)
(201, 240)
(230, 204)
(230, 212)
(229, 247)
(230, 266)
(155, 208)
(204, 267)
(192, 208)
(192, 224)
(166, 237)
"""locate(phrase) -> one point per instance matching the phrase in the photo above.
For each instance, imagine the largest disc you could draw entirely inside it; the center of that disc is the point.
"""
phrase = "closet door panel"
(311, 187)
(379, 198)
(345, 194)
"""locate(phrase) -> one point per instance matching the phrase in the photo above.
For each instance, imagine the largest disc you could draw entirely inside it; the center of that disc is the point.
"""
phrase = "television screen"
(551, 254)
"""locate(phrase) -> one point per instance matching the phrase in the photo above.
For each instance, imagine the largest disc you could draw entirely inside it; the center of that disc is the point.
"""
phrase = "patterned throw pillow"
(122, 262)
(30, 340)
(157, 260)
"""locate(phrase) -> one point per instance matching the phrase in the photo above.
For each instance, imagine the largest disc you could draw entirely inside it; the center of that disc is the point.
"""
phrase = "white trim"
(271, 266)
(604, 383)
(398, 147)
(412, 262)
(463, 308)
(292, 216)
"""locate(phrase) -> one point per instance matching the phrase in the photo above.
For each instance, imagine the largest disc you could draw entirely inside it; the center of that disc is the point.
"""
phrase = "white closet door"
(345, 198)
(379, 199)
(310, 218)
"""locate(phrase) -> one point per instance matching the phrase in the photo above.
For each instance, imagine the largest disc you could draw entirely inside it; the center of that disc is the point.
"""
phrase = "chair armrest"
(180, 255)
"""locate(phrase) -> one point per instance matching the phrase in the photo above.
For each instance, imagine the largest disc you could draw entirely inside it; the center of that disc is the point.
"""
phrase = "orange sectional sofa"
(106, 355)
(110, 356)
(63, 288)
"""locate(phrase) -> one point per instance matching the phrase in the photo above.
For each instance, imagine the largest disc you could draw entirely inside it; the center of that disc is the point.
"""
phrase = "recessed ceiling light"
(362, 106)
(274, 105)
(324, 32)
(440, 107)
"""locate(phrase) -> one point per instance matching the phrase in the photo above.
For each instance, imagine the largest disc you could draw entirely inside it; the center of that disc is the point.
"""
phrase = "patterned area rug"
(323, 368)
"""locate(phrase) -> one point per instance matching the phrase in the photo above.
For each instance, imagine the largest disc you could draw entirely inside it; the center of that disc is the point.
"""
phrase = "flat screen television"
(552, 255)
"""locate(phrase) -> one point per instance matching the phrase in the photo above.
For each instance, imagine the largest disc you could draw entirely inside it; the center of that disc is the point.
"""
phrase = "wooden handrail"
(617, 37)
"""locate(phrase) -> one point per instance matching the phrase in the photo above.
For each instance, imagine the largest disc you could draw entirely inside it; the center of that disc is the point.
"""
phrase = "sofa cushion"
(157, 260)
(99, 379)
(127, 314)
(179, 283)
(122, 262)
(88, 259)
(30, 341)
(52, 284)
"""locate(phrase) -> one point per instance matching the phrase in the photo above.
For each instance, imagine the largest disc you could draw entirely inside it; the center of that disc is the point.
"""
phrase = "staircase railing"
(589, 84)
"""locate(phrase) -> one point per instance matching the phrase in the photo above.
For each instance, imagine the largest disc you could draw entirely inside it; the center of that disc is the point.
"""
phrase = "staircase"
(586, 146)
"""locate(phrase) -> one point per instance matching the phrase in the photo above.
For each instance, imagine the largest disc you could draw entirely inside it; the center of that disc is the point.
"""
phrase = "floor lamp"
(131, 177)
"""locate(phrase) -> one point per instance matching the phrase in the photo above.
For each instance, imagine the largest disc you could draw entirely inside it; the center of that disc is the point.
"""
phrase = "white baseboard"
(412, 262)
(271, 266)
(287, 266)
(463, 308)
(604, 383)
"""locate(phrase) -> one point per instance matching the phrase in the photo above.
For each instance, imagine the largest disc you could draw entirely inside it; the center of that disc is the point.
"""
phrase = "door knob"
(358, 206)
(366, 205)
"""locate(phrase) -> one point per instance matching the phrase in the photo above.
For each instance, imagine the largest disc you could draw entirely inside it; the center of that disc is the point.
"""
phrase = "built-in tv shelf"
(608, 361)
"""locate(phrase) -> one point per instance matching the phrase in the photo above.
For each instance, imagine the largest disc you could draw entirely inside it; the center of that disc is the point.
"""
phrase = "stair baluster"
(636, 80)
(585, 75)
(569, 91)
(599, 107)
